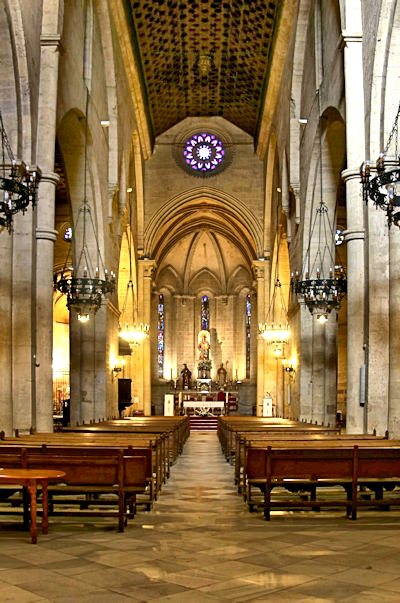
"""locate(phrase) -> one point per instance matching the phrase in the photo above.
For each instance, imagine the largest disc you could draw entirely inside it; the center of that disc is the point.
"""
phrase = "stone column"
(318, 371)
(260, 269)
(304, 373)
(45, 233)
(331, 332)
(354, 235)
(6, 401)
(45, 237)
(394, 345)
(145, 274)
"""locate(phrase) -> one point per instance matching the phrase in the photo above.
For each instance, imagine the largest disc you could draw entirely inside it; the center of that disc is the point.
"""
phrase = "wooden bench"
(262, 440)
(150, 449)
(89, 471)
(315, 465)
(229, 427)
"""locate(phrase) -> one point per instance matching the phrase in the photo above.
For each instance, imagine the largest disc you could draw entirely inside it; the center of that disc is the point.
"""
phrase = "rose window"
(203, 152)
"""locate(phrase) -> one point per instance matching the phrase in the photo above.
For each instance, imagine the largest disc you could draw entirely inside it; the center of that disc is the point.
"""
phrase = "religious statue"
(204, 345)
(186, 377)
(221, 374)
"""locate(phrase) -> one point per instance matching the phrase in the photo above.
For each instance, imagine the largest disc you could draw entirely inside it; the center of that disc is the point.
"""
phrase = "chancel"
(199, 299)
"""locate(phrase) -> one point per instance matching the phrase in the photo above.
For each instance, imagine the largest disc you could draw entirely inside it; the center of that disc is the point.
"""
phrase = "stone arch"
(235, 213)
(71, 140)
(103, 12)
(16, 104)
(303, 15)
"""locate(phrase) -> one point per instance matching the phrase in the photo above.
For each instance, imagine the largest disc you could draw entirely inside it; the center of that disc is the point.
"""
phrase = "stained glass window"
(203, 152)
(161, 335)
(248, 323)
(205, 313)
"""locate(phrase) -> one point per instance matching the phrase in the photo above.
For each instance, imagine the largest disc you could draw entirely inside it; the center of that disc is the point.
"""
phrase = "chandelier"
(134, 333)
(17, 181)
(276, 330)
(321, 284)
(86, 281)
(382, 188)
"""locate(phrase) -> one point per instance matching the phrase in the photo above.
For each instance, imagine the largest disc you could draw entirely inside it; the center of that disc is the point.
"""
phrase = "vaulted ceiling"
(203, 57)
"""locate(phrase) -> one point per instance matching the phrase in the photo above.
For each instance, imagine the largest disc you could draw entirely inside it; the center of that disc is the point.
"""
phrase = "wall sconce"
(117, 369)
(289, 367)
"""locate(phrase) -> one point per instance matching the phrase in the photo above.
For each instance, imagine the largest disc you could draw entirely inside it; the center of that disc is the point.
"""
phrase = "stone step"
(204, 423)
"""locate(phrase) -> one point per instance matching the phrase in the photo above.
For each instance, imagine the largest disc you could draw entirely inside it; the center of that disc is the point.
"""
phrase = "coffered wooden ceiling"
(203, 57)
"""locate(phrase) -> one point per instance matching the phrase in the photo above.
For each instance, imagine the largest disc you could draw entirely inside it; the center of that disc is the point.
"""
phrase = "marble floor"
(199, 543)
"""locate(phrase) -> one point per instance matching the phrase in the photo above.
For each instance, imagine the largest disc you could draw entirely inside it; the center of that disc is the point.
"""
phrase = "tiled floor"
(200, 544)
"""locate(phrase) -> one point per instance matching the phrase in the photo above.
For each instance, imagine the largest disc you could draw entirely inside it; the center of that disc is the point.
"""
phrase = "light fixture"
(18, 183)
(289, 367)
(321, 284)
(129, 189)
(105, 123)
(117, 368)
(204, 64)
(133, 333)
(303, 121)
(382, 189)
(87, 281)
(276, 330)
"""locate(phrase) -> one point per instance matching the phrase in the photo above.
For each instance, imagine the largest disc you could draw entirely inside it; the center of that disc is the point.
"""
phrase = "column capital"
(51, 40)
(48, 234)
(148, 267)
(352, 234)
(50, 177)
(351, 174)
(258, 267)
(351, 36)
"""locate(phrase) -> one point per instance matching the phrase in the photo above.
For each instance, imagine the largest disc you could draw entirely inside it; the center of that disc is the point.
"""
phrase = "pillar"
(145, 269)
(354, 235)
(45, 233)
(394, 345)
(260, 267)
(6, 401)
(45, 237)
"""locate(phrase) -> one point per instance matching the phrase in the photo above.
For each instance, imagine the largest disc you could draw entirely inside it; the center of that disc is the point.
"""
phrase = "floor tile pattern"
(199, 543)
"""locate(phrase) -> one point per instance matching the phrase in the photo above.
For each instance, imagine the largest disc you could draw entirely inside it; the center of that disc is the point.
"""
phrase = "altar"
(206, 408)
(209, 403)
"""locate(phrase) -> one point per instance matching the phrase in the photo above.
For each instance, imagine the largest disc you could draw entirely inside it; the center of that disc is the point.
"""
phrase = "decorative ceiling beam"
(278, 56)
(133, 75)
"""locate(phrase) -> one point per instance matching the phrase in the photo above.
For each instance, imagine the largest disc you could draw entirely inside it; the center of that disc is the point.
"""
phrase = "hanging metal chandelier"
(321, 284)
(18, 183)
(133, 333)
(276, 330)
(382, 189)
(86, 281)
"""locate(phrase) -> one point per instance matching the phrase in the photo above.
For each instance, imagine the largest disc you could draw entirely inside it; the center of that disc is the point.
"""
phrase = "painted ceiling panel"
(204, 57)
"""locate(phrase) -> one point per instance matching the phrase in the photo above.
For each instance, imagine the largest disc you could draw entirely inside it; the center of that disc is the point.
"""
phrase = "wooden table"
(29, 478)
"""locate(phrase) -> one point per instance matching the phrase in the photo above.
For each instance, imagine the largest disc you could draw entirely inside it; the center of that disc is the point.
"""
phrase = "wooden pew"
(262, 440)
(312, 465)
(88, 471)
(229, 427)
(84, 443)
